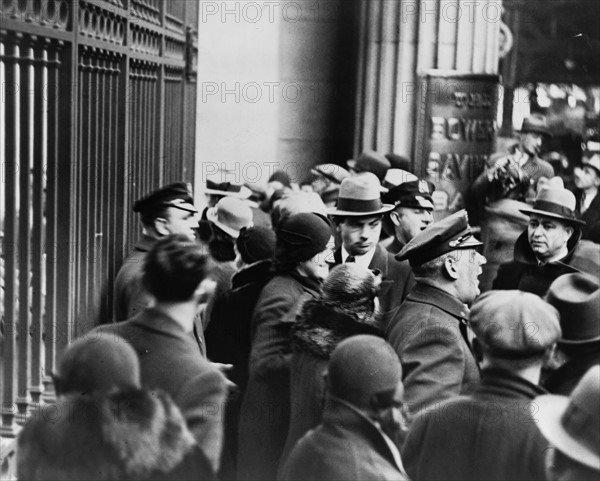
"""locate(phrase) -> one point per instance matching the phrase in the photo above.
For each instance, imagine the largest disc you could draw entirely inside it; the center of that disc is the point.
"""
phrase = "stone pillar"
(401, 39)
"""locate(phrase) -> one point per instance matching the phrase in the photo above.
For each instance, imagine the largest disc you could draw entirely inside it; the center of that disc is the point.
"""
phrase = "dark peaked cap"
(174, 195)
(449, 234)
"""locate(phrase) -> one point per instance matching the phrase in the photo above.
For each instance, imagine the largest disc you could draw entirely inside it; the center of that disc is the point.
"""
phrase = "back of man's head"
(97, 365)
(361, 368)
(174, 268)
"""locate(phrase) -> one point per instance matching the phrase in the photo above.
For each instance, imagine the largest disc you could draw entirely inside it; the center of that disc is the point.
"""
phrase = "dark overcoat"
(228, 341)
(265, 412)
(317, 332)
(526, 274)
(345, 446)
(591, 217)
(566, 377)
(431, 336)
(170, 360)
(489, 435)
(397, 281)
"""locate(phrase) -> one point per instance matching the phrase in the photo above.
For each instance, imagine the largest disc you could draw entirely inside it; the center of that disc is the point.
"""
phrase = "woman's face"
(318, 267)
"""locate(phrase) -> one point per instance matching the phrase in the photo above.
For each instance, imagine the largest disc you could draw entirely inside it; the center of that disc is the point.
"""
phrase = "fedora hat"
(395, 177)
(370, 161)
(536, 124)
(360, 196)
(229, 189)
(571, 423)
(398, 161)
(556, 202)
(230, 215)
(577, 299)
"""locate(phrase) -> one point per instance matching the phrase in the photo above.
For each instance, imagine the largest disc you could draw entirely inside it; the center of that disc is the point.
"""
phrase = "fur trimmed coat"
(127, 435)
(317, 332)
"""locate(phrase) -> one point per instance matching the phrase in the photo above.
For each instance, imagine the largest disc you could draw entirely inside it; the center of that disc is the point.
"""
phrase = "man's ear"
(395, 218)
(160, 225)
(570, 230)
(449, 268)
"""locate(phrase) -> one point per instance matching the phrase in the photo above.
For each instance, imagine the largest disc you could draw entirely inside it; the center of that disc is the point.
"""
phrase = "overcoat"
(489, 435)
(566, 377)
(345, 446)
(317, 332)
(265, 412)
(432, 338)
(170, 360)
(526, 274)
(591, 229)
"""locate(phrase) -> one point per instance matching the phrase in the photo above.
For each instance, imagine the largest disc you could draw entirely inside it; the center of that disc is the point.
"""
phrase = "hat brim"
(350, 213)
(211, 215)
(545, 213)
(244, 193)
(550, 411)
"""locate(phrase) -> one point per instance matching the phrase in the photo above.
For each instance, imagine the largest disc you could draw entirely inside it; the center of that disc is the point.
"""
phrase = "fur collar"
(319, 329)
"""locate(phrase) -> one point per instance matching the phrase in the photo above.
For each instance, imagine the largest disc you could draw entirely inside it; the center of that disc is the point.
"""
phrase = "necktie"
(350, 259)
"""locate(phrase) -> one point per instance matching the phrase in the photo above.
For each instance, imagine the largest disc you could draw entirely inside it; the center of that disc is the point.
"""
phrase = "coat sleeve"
(434, 363)
(272, 320)
(202, 403)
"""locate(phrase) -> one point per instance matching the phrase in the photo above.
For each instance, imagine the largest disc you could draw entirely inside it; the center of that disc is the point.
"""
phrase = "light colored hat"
(230, 215)
(360, 196)
(572, 424)
(555, 202)
(514, 323)
(333, 172)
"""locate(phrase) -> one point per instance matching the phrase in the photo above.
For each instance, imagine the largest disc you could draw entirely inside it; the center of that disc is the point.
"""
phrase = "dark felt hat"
(370, 161)
(514, 324)
(577, 299)
(363, 366)
(332, 172)
(537, 124)
(97, 364)
(415, 194)
(446, 235)
(398, 161)
(255, 244)
(302, 236)
(176, 195)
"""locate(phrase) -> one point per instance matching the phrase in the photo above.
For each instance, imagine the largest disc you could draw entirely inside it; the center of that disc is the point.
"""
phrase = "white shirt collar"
(364, 260)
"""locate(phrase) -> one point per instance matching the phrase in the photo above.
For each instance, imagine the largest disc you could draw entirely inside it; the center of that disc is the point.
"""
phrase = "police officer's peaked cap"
(415, 194)
(449, 234)
(173, 195)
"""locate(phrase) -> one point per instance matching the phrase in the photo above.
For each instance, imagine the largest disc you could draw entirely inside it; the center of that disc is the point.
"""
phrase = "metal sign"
(456, 132)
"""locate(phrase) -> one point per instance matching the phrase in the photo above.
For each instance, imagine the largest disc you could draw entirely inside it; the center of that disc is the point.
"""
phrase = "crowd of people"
(334, 330)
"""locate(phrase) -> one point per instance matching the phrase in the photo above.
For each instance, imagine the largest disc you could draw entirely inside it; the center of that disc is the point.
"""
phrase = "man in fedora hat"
(430, 332)
(587, 181)
(577, 299)
(165, 211)
(412, 213)
(358, 218)
(515, 174)
(490, 434)
(571, 424)
(543, 251)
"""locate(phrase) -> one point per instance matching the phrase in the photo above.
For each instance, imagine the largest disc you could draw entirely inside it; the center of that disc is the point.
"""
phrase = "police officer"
(430, 332)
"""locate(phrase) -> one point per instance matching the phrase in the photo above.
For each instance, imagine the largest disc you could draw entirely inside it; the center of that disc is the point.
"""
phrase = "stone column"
(401, 39)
